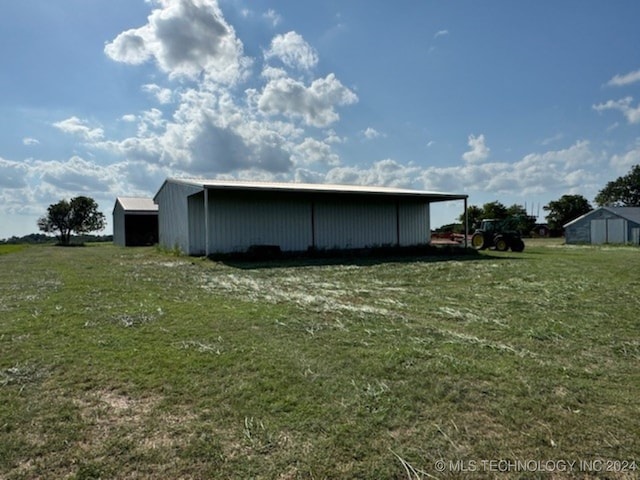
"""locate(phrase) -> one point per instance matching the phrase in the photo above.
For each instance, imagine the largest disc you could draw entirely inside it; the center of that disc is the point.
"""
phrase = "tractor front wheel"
(517, 245)
(478, 241)
(501, 243)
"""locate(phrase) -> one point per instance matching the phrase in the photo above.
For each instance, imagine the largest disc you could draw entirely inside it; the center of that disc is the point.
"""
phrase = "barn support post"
(313, 224)
(398, 223)
(466, 224)
(206, 222)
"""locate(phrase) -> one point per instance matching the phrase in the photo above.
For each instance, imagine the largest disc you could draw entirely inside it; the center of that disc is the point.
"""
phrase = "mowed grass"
(132, 363)
(8, 248)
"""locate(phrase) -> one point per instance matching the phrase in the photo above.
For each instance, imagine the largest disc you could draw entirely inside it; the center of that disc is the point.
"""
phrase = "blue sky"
(520, 102)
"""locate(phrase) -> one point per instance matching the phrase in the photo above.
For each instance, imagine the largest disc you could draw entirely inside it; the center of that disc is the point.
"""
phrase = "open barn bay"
(133, 363)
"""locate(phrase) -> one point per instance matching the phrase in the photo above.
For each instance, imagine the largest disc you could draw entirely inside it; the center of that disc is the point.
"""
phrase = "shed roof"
(364, 190)
(137, 204)
(628, 213)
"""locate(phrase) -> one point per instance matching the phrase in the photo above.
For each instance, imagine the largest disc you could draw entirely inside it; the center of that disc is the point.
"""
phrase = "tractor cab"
(489, 225)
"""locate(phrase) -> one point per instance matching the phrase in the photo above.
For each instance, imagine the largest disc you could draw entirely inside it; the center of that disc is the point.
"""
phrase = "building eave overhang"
(320, 189)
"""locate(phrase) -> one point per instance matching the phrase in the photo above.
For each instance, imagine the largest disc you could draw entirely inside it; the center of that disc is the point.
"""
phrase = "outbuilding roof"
(628, 213)
(137, 204)
(239, 185)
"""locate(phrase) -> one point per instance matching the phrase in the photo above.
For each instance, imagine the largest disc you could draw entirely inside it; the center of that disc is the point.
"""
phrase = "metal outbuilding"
(135, 222)
(203, 217)
(619, 225)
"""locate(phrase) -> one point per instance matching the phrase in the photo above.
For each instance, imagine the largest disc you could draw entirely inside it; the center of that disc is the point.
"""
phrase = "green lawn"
(133, 363)
(7, 248)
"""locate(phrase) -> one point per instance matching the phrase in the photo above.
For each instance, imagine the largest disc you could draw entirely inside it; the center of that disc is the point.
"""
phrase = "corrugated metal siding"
(609, 230)
(414, 224)
(118, 225)
(598, 231)
(197, 229)
(616, 230)
(173, 227)
(599, 227)
(293, 221)
(238, 223)
(355, 224)
(578, 232)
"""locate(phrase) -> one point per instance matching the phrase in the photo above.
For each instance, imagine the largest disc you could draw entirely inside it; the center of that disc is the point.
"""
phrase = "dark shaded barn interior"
(135, 222)
(140, 230)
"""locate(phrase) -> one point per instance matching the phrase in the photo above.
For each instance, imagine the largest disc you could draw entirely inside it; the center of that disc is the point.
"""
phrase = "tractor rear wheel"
(501, 243)
(478, 241)
(517, 245)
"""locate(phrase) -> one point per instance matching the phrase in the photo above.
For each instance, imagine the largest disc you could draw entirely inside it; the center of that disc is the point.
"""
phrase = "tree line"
(42, 239)
(621, 192)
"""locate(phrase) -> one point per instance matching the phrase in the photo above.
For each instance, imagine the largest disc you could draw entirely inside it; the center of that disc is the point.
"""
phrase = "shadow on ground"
(269, 257)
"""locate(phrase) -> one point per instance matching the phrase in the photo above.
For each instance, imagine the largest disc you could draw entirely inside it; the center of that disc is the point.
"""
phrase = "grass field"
(4, 249)
(133, 363)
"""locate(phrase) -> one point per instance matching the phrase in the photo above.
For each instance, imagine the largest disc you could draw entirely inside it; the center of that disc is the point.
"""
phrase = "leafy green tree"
(622, 192)
(516, 210)
(565, 209)
(495, 210)
(488, 210)
(474, 214)
(522, 222)
(519, 220)
(79, 215)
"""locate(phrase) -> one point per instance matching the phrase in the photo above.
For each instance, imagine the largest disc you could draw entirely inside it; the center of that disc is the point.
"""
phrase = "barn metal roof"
(628, 213)
(238, 185)
(137, 204)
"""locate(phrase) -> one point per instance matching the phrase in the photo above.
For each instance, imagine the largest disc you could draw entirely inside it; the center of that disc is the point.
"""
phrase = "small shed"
(203, 217)
(135, 222)
(619, 225)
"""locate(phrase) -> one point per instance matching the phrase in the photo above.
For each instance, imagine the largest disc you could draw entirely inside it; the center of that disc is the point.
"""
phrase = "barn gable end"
(614, 225)
(135, 222)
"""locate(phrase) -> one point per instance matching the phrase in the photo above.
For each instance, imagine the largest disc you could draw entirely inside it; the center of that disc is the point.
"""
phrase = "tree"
(622, 192)
(474, 214)
(494, 210)
(517, 215)
(79, 215)
(565, 209)
(523, 222)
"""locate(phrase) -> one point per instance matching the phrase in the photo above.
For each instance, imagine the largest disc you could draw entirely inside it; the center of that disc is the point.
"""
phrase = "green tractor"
(498, 234)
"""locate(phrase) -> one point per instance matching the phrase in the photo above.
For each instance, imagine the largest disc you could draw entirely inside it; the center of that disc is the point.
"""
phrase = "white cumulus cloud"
(371, 133)
(479, 151)
(163, 95)
(187, 38)
(315, 104)
(77, 175)
(627, 79)
(12, 174)
(312, 151)
(292, 50)
(622, 163)
(273, 17)
(624, 105)
(28, 141)
(386, 172)
(561, 170)
(76, 126)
